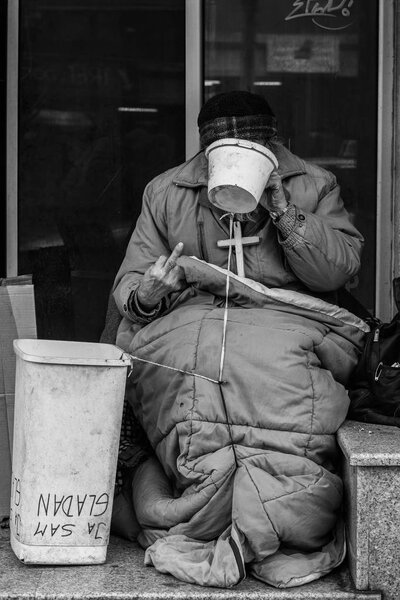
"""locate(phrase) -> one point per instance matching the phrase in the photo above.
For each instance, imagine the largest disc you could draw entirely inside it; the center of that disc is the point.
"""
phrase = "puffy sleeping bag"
(246, 467)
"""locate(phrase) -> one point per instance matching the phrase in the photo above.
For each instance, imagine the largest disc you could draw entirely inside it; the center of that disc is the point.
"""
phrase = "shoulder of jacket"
(291, 165)
(190, 174)
(162, 181)
(324, 176)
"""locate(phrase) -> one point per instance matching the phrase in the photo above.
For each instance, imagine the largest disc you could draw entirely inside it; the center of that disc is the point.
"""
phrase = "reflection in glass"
(101, 112)
(319, 73)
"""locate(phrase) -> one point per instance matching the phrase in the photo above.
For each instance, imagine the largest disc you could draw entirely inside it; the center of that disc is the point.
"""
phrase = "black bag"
(374, 387)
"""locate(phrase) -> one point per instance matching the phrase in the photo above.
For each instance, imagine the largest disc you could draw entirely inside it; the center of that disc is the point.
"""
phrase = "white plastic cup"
(238, 172)
(68, 409)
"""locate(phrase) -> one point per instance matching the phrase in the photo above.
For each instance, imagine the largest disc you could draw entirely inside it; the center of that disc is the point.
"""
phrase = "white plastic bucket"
(68, 409)
(238, 172)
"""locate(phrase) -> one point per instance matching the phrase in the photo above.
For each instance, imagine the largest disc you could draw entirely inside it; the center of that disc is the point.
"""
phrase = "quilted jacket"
(320, 253)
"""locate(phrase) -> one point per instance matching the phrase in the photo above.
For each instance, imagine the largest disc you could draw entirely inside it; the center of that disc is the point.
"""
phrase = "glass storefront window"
(316, 63)
(101, 112)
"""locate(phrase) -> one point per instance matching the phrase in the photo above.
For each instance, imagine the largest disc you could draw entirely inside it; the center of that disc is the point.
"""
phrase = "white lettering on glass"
(324, 10)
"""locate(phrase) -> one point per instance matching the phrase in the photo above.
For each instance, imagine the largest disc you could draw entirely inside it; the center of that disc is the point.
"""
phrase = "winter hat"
(236, 114)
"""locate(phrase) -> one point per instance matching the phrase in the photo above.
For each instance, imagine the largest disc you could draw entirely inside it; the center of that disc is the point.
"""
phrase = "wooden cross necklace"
(238, 242)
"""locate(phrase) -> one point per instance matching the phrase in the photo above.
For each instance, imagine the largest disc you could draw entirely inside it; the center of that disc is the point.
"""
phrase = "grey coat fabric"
(248, 456)
(254, 473)
(320, 253)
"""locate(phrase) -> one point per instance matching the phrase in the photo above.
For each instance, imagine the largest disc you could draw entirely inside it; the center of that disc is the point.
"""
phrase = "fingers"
(161, 278)
(160, 262)
(175, 254)
(275, 181)
(178, 273)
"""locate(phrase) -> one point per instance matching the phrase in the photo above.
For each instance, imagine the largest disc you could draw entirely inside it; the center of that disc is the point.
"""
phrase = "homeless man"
(239, 382)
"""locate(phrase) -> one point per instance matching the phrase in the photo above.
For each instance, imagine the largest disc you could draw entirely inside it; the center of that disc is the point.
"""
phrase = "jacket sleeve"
(322, 248)
(147, 243)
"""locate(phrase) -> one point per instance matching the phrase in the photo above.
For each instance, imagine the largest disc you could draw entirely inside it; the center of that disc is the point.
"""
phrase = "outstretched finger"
(175, 254)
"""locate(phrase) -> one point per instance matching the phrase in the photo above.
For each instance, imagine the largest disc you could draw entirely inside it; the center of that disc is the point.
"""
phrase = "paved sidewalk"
(123, 577)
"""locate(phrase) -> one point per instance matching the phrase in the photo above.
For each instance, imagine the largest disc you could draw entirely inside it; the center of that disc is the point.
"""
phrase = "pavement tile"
(124, 577)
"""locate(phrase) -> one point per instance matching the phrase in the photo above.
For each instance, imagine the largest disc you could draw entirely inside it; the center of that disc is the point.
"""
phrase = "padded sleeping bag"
(245, 472)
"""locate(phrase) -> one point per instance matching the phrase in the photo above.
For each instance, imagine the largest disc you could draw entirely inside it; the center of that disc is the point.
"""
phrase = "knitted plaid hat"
(236, 114)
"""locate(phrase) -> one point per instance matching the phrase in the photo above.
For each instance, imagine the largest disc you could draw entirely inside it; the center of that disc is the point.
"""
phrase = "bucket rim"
(25, 349)
(246, 144)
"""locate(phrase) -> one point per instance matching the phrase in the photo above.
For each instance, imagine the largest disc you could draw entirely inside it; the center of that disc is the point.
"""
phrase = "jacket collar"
(194, 172)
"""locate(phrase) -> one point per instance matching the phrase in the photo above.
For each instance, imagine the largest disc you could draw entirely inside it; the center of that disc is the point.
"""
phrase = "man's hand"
(162, 278)
(275, 198)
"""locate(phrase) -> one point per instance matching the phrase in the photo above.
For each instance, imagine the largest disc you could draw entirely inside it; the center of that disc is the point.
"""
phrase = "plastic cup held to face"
(238, 172)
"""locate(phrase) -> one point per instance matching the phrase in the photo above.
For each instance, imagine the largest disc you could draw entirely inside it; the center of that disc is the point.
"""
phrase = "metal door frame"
(12, 140)
(388, 123)
(193, 72)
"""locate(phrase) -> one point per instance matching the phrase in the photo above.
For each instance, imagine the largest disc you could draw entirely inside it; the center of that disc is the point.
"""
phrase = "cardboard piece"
(17, 320)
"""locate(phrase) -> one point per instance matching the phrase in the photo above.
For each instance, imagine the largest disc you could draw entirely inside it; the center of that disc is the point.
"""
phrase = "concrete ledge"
(366, 444)
(371, 472)
(123, 577)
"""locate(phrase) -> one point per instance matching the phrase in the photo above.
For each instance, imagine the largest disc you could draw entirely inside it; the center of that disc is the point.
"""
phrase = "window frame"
(387, 125)
(12, 139)
(193, 72)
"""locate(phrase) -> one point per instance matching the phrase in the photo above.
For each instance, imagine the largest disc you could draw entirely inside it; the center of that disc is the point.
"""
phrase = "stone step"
(371, 469)
(124, 577)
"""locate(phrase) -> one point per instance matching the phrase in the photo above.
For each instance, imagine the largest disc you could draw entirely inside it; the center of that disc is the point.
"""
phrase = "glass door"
(101, 112)
(317, 65)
